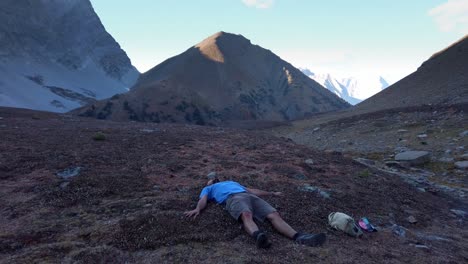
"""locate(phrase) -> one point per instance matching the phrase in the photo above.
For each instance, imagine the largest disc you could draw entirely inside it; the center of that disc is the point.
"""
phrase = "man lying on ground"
(244, 205)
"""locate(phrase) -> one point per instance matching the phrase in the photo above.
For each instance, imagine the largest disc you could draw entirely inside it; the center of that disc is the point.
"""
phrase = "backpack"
(345, 223)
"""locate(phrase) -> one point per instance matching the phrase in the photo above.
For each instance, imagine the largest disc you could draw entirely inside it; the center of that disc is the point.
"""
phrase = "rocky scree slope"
(379, 136)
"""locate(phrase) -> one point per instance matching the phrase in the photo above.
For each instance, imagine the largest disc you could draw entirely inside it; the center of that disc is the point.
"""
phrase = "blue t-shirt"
(221, 190)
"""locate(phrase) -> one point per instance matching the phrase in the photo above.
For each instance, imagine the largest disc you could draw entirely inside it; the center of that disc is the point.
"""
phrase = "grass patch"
(439, 167)
(364, 173)
(99, 136)
(375, 156)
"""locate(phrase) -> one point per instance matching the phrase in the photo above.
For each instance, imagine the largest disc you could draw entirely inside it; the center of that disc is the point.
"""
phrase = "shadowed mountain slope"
(223, 78)
(56, 55)
(442, 79)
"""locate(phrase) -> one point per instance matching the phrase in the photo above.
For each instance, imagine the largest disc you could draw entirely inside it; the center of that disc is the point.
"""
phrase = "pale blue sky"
(366, 37)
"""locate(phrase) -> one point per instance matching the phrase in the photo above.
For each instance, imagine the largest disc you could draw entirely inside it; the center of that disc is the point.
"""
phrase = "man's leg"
(240, 207)
(248, 223)
(284, 228)
(280, 225)
(260, 237)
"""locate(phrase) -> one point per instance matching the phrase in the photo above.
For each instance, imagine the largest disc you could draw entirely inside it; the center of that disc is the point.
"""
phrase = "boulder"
(464, 156)
(462, 164)
(413, 157)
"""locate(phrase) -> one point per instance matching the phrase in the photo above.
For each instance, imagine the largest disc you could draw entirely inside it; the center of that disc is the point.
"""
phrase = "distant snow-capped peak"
(352, 89)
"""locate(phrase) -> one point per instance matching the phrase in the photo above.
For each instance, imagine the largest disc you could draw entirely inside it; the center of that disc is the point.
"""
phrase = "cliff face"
(60, 44)
(224, 78)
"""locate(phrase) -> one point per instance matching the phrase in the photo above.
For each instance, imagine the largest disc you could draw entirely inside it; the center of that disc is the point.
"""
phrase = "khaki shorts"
(238, 203)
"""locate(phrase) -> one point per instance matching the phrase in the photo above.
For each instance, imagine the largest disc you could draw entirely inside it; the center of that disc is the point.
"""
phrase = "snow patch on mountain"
(55, 55)
(54, 87)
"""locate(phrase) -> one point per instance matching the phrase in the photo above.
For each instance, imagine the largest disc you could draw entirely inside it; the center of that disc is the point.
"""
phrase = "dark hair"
(215, 180)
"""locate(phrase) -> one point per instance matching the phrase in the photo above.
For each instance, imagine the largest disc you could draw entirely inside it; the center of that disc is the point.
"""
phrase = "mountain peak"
(217, 45)
(220, 80)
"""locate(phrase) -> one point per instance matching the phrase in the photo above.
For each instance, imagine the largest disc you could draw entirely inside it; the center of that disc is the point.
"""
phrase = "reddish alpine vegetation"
(125, 203)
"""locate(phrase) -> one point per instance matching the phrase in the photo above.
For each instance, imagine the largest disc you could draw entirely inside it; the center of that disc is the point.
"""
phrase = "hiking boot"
(261, 240)
(311, 240)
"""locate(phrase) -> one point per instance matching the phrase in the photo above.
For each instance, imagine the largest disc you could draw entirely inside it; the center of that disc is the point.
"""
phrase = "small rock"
(398, 230)
(147, 205)
(69, 172)
(324, 194)
(421, 189)
(464, 156)
(446, 160)
(211, 175)
(64, 185)
(460, 213)
(146, 130)
(462, 164)
(412, 219)
(316, 129)
(300, 176)
(182, 189)
(401, 149)
(433, 237)
(422, 136)
(309, 188)
(309, 162)
(421, 246)
(413, 157)
(366, 161)
(402, 131)
(464, 133)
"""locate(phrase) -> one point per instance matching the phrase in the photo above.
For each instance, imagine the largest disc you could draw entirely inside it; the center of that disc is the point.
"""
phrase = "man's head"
(212, 181)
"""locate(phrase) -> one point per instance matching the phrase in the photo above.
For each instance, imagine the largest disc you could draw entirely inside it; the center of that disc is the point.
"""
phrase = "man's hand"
(200, 206)
(192, 214)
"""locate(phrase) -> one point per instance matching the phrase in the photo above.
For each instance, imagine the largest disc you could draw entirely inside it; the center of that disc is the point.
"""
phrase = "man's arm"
(262, 193)
(200, 206)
